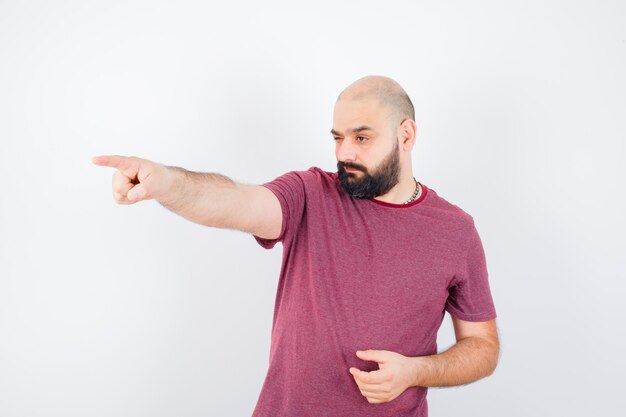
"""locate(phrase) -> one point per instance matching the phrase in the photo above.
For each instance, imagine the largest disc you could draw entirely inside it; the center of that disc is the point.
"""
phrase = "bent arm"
(215, 200)
(474, 356)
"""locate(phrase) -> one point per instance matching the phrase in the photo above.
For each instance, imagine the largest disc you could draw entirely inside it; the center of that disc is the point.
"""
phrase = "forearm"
(468, 360)
(207, 198)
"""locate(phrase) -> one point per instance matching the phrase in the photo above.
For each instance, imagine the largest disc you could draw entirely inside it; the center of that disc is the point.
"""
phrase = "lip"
(350, 169)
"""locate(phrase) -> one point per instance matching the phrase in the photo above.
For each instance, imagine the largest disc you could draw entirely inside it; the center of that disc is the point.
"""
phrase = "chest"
(365, 261)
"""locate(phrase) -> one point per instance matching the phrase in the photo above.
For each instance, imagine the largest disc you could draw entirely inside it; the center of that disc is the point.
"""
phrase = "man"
(372, 259)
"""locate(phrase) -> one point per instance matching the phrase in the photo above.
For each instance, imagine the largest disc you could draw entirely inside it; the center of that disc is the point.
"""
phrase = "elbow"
(494, 356)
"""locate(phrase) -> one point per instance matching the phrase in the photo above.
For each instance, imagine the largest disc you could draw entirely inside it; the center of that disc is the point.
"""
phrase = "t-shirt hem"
(490, 315)
(270, 243)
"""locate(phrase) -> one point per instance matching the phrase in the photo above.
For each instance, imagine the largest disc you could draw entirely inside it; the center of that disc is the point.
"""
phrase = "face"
(367, 150)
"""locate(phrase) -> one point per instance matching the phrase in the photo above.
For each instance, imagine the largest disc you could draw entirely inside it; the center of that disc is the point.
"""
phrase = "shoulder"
(315, 177)
(307, 181)
(320, 174)
(448, 212)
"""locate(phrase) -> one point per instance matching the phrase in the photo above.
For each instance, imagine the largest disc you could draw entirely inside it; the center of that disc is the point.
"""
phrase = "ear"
(407, 132)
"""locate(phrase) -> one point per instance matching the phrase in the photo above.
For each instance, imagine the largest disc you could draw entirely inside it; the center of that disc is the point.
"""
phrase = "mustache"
(342, 165)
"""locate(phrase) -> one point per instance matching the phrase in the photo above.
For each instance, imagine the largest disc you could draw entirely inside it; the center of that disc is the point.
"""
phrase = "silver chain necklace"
(417, 189)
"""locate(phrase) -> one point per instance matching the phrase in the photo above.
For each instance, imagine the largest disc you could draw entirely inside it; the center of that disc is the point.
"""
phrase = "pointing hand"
(135, 179)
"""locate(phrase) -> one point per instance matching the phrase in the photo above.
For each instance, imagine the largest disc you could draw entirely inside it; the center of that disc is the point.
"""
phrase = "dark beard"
(368, 186)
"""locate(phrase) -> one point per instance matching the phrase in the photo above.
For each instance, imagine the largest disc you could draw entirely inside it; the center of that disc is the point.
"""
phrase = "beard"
(370, 185)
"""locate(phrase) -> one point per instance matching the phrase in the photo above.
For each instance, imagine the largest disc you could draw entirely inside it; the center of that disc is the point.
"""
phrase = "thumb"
(137, 193)
(372, 355)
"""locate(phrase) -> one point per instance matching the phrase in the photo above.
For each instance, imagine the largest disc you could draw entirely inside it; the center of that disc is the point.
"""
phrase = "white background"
(109, 310)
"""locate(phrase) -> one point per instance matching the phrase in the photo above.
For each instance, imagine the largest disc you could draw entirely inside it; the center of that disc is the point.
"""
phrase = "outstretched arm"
(206, 198)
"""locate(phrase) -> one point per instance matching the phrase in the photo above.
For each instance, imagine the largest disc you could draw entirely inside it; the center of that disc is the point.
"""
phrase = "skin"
(256, 210)
(230, 205)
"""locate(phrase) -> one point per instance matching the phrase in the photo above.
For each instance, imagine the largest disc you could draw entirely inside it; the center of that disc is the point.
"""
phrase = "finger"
(377, 389)
(121, 199)
(114, 161)
(121, 183)
(374, 397)
(379, 356)
(373, 377)
(374, 400)
(137, 193)
(360, 376)
(127, 174)
(380, 376)
(373, 394)
(121, 187)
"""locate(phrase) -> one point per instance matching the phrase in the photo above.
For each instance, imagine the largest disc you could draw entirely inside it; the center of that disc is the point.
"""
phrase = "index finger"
(113, 161)
(372, 377)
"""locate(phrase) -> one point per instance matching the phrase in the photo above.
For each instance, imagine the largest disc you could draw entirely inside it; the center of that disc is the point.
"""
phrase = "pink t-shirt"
(363, 274)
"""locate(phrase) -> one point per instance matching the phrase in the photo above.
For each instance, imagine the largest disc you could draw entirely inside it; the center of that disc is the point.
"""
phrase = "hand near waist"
(394, 376)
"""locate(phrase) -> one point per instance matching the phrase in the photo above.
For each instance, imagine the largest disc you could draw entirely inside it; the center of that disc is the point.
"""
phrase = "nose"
(346, 151)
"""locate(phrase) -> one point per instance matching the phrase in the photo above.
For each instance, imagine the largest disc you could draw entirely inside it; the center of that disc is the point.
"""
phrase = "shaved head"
(387, 92)
(374, 132)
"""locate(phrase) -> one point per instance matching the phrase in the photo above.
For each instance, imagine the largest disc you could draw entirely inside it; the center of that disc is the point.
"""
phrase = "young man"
(372, 259)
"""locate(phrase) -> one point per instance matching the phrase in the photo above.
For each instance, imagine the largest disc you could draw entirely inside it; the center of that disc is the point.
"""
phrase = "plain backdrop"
(110, 310)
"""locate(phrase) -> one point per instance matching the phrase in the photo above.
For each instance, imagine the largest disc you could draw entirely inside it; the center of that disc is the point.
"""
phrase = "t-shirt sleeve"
(469, 296)
(289, 189)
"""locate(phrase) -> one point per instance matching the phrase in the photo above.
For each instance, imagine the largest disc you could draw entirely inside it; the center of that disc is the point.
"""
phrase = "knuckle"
(118, 183)
(120, 199)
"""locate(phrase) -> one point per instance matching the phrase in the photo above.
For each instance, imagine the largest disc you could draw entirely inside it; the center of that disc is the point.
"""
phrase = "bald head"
(386, 91)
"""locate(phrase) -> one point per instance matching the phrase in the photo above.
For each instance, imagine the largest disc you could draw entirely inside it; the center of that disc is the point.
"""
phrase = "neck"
(402, 191)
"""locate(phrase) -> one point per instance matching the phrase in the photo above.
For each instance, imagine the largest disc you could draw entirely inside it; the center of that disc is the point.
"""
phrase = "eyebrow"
(354, 130)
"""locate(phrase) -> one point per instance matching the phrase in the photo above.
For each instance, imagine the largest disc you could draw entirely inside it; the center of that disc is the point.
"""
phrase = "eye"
(358, 138)
(336, 138)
